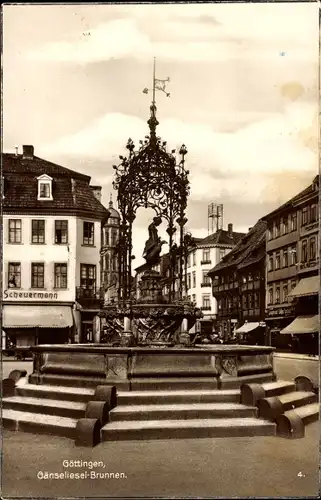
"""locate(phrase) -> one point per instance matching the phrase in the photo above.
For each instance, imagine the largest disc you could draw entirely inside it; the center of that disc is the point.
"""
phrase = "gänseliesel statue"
(154, 243)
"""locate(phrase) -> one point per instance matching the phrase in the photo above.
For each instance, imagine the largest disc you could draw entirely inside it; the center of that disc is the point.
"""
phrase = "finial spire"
(111, 201)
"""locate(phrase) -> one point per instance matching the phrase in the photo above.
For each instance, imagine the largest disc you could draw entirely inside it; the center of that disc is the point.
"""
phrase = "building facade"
(109, 256)
(293, 282)
(51, 236)
(238, 285)
(207, 253)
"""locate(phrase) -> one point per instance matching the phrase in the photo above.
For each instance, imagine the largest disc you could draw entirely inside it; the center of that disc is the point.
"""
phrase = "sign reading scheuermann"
(27, 295)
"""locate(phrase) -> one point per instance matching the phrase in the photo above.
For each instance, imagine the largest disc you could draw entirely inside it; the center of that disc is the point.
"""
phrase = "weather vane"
(157, 85)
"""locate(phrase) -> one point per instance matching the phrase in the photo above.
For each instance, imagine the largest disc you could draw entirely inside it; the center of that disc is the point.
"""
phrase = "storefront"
(27, 325)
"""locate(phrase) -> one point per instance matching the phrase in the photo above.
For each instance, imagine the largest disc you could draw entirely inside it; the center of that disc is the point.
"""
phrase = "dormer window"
(44, 187)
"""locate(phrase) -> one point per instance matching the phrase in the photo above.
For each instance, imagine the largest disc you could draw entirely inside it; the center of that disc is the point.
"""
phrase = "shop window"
(61, 231)
(37, 275)
(61, 276)
(14, 275)
(38, 231)
(88, 233)
(14, 230)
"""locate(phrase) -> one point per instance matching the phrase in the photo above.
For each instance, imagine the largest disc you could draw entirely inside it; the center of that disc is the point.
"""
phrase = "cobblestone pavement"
(206, 468)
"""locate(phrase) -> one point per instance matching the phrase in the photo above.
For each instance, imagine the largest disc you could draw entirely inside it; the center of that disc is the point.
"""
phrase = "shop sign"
(22, 295)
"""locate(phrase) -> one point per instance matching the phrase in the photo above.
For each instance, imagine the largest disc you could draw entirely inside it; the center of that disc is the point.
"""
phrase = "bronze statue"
(154, 244)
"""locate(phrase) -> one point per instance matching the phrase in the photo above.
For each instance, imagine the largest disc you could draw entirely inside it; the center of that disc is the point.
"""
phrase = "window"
(206, 279)
(114, 237)
(277, 260)
(277, 295)
(270, 297)
(305, 217)
(313, 249)
(285, 258)
(293, 257)
(304, 254)
(244, 301)
(14, 275)
(294, 225)
(38, 231)
(87, 276)
(219, 305)
(250, 277)
(61, 231)
(37, 275)
(44, 187)
(285, 225)
(206, 255)
(206, 302)
(244, 279)
(107, 262)
(270, 263)
(189, 280)
(194, 298)
(277, 228)
(313, 213)
(14, 230)
(194, 279)
(88, 233)
(285, 292)
(107, 237)
(194, 258)
(221, 253)
(270, 234)
(256, 300)
(60, 275)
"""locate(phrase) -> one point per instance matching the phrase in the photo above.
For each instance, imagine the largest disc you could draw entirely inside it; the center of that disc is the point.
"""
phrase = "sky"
(243, 96)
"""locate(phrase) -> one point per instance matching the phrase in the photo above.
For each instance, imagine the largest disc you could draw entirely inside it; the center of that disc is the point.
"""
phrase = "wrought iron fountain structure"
(151, 177)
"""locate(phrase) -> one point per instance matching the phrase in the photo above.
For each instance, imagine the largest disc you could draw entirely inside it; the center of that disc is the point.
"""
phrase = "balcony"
(207, 261)
(90, 298)
(205, 308)
(204, 284)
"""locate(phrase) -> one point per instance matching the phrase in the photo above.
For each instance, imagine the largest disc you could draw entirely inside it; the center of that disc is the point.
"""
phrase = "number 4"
(300, 474)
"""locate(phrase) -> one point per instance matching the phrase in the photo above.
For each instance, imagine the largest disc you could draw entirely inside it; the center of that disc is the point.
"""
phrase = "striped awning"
(37, 316)
(303, 324)
(306, 286)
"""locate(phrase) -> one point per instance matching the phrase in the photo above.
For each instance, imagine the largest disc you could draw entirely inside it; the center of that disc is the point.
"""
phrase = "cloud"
(240, 165)
(181, 34)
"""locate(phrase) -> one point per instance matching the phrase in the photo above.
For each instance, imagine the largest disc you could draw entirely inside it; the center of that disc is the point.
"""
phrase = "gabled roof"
(71, 190)
(246, 249)
(222, 237)
(295, 199)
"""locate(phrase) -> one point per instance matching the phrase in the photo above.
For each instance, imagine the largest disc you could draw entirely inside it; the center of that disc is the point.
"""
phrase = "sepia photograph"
(160, 226)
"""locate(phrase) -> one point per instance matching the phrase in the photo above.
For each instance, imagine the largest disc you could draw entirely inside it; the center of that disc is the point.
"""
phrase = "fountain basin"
(122, 366)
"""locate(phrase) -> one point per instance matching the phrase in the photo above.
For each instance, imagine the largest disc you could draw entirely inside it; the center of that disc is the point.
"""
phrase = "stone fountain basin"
(123, 364)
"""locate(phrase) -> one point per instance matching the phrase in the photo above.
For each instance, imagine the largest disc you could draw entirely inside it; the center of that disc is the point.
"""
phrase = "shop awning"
(247, 327)
(303, 324)
(306, 286)
(37, 316)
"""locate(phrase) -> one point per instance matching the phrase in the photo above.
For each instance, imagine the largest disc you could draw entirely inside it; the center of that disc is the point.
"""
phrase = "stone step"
(62, 393)
(309, 413)
(181, 411)
(296, 399)
(277, 388)
(36, 423)
(187, 429)
(70, 409)
(176, 396)
(235, 382)
(139, 384)
(75, 380)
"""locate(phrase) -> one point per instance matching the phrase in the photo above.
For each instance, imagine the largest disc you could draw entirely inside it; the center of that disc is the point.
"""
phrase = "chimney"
(27, 152)
(230, 230)
(96, 191)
